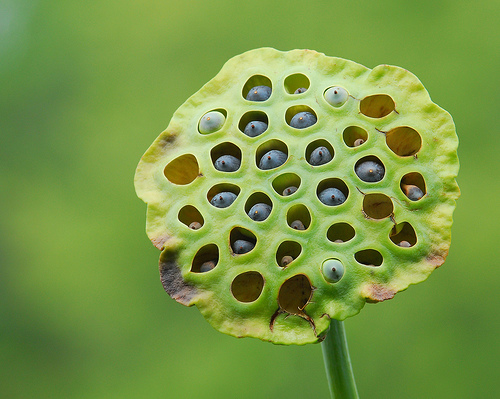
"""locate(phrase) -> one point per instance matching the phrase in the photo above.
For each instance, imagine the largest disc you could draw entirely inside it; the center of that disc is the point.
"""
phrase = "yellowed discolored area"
(182, 170)
(377, 206)
(247, 286)
(377, 105)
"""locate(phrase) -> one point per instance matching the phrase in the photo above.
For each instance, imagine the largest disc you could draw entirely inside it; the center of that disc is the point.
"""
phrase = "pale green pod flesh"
(252, 294)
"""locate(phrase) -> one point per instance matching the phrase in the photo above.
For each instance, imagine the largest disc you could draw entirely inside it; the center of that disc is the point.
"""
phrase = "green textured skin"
(431, 217)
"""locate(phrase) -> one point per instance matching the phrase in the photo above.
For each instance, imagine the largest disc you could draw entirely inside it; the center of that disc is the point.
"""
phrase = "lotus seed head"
(207, 266)
(412, 192)
(289, 190)
(242, 246)
(227, 163)
(259, 212)
(223, 199)
(211, 122)
(404, 244)
(302, 120)
(370, 171)
(286, 260)
(358, 142)
(297, 225)
(272, 159)
(332, 196)
(195, 225)
(320, 156)
(259, 93)
(300, 90)
(333, 270)
(255, 128)
(336, 96)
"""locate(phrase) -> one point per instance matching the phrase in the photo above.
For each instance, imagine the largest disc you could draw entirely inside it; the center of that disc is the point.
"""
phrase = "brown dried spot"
(172, 281)
(159, 242)
(436, 259)
(378, 293)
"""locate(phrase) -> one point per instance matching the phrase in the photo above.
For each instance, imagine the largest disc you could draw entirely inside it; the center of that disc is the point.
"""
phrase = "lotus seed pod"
(370, 171)
(336, 96)
(227, 163)
(259, 212)
(223, 199)
(242, 246)
(272, 159)
(302, 120)
(255, 128)
(259, 93)
(320, 156)
(211, 122)
(384, 240)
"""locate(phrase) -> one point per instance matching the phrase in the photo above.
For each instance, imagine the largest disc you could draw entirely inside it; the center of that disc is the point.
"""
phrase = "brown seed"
(404, 244)
(286, 260)
(195, 225)
(358, 142)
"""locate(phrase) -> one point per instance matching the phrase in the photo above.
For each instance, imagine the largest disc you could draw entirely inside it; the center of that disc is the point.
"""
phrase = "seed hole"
(403, 234)
(413, 186)
(241, 240)
(226, 157)
(354, 136)
(403, 141)
(218, 191)
(205, 259)
(319, 152)
(377, 105)
(253, 123)
(370, 169)
(300, 116)
(327, 189)
(298, 217)
(255, 83)
(288, 248)
(286, 184)
(295, 293)
(296, 83)
(191, 217)
(272, 154)
(340, 232)
(247, 286)
(369, 257)
(258, 206)
(182, 170)
(212, 121)
(377, 206)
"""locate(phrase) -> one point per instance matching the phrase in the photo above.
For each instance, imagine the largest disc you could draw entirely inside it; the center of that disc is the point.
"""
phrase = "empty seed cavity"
(257, 88)
(191, 217)
(403, 235)
(258, 207)
(295, 293)
(297, 83)
(369, 257)
(336, 96)
(377, 105)
(226, 157)
(247, 287)
(354, 136)
(332, 192)
(271, 155)
(212, 121)
(182, 170)
(241, 240)
(286, 184)
(377, 206)
(300, 116)
(370, 169)
(333, 270)
(413, 186)
(223, 195)
(288, 249)
(205, 259)
(298, 217)
(403, 141)
(340, 232)
(319, 152)
(253, 123)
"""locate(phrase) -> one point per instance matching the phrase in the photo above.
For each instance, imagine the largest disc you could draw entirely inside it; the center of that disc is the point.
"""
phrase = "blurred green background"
(86, 86)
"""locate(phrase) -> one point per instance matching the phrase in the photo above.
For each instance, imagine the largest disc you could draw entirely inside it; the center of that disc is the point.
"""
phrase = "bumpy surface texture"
(381, 239)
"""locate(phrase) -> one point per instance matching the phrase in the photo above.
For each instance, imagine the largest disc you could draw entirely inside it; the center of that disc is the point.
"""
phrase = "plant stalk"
(338, 363)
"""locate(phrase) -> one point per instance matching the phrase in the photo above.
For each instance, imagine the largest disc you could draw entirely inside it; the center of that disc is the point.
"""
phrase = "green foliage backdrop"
(86, 86)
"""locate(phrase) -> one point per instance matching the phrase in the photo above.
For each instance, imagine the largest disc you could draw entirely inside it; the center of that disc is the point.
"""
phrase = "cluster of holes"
(295, 293)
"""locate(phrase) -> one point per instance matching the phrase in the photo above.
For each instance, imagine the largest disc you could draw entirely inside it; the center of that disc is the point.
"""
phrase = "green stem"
(338, 364)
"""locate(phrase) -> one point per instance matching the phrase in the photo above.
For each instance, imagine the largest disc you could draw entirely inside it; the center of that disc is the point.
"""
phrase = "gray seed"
(404, 244)
(300, 90)
(242, 246)
(255, 128)
(259, 212)
(286, 260)
(320, 156)
(207, 266)
(272, 159)
(223, 199)
(370, 171)
(297, 225)
(289, 190)
(332, 197)
(227, 163)
(259, 93)
(412, 192)
(302, 120)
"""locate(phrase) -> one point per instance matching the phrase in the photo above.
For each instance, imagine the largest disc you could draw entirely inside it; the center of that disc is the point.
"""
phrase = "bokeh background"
(86, 86)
